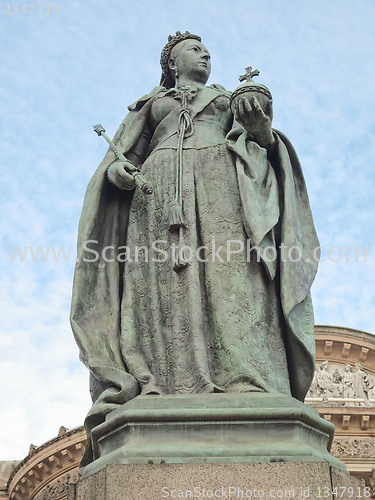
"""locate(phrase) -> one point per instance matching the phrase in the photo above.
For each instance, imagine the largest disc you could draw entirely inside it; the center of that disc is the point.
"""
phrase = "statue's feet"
(246, 388)
(252, 388)
(151, 389)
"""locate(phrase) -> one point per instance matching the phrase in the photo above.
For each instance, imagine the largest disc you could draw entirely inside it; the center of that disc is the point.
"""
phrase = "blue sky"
(64, 72)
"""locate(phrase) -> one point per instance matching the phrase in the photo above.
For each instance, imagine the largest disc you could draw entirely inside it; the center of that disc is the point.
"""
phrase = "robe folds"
(213, 326)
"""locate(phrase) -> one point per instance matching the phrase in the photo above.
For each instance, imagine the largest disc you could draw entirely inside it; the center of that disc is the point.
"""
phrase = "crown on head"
(173, 40)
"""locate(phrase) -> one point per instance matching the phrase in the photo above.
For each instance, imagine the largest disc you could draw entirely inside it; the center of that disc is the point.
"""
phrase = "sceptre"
(139, 178)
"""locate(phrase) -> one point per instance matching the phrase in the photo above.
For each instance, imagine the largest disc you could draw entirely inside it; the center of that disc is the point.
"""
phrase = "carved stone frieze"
(58, 487)
(353, 447)
(349, 385)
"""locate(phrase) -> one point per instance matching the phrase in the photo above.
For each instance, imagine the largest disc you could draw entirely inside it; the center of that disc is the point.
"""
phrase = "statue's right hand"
(118, 175)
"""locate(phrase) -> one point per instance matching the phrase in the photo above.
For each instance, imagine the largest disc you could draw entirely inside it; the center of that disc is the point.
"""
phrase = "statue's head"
(184, 54)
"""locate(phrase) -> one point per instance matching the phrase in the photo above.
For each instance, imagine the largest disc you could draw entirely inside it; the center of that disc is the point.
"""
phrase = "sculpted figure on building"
(342, 382)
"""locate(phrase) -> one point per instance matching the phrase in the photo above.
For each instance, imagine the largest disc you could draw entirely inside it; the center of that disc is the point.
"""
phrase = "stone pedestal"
(212, 428)
(300, 481)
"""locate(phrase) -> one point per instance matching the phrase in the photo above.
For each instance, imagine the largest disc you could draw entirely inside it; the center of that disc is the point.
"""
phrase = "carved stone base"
(212, 428)
(286, 481)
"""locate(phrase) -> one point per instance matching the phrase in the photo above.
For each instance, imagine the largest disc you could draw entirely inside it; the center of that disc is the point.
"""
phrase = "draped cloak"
(272, 193)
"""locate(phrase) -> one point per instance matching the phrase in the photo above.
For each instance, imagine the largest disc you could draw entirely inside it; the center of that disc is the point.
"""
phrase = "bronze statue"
(204, 285)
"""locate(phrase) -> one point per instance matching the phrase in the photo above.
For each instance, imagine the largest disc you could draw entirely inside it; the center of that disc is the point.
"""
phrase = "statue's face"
(192, 60)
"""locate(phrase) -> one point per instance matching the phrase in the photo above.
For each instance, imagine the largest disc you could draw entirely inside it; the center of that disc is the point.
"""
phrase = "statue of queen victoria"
(214, 300)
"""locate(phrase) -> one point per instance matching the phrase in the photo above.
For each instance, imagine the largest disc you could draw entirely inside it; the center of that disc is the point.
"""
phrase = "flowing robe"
(241, 325)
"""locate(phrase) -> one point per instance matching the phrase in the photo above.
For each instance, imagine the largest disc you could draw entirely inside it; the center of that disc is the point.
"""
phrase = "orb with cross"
(252, 89)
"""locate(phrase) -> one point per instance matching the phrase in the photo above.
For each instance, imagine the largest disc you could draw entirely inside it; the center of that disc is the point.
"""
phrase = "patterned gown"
(217, 324)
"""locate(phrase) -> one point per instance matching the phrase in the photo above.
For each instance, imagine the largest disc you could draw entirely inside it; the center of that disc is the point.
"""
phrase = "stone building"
(343, 391)
(47, 471)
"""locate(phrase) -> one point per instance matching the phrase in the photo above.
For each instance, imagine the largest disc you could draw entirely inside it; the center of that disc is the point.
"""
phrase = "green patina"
(219, 173)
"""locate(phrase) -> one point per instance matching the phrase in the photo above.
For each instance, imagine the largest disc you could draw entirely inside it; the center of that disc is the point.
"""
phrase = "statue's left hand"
(249, 113)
